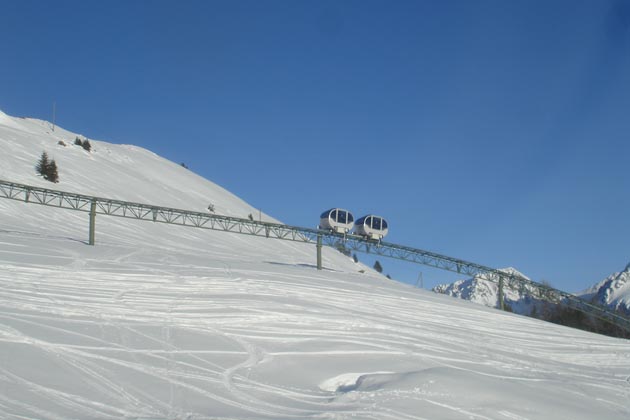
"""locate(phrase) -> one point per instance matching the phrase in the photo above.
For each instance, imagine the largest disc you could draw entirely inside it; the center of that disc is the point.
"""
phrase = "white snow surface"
(167, 322)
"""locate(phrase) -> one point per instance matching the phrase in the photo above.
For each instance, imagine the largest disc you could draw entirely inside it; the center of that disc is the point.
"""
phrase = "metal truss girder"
(9, 191)
(79, 202)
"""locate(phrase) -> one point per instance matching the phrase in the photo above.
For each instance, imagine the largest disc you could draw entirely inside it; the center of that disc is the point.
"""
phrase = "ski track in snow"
(166, 322)
(259, 316)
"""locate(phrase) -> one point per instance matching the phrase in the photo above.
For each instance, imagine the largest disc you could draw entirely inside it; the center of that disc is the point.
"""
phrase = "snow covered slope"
(166, 322)
(120, 172)
(613, 291)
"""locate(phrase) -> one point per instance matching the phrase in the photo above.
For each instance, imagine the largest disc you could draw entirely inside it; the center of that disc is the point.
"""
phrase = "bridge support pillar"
(500, 293)
(92, 221)
(319, 252)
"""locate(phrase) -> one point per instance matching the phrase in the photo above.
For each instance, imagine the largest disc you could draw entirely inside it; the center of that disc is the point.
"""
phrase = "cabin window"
(342, 217)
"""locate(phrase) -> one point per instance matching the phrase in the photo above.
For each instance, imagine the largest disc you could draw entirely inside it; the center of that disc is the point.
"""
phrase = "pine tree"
(86, 145)
(342, 248)
(78, 142)
(42, 164)
(47, 168)
(378, 267)
(51, 172)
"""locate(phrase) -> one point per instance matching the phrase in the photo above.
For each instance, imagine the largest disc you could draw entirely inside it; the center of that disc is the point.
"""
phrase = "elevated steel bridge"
(97, 205)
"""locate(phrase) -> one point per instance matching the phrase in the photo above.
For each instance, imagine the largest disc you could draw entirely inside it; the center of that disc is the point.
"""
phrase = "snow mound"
(346, 381)
(455, 390)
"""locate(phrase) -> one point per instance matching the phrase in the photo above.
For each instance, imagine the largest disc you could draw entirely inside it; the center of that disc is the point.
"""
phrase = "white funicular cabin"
(337, 220)
(370, 226)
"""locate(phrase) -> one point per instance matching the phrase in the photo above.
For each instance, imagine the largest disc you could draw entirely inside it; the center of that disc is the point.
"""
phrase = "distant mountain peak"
(513, 271)
(481, 290)
(613, 291)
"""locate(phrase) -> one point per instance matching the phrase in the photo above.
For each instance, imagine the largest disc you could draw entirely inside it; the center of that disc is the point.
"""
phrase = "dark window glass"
(384, 224)
(376, 223)
(342, 217)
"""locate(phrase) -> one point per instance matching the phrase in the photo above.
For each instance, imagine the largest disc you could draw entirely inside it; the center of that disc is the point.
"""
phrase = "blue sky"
(491, 131)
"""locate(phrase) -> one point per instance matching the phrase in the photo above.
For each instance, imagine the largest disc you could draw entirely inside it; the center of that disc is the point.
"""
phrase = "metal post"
(319, 252)
(501, 304)
(420, 281)
(92, 221)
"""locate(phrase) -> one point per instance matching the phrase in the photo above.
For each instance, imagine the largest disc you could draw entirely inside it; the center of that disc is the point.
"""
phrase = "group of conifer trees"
(83, 143)
(47, 168)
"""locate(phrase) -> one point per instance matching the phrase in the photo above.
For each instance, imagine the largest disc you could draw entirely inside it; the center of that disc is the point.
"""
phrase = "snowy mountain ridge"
(166, 322)
(612, 292)
(485, 292)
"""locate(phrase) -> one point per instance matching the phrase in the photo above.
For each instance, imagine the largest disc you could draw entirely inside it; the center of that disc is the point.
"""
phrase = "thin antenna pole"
(420, 281)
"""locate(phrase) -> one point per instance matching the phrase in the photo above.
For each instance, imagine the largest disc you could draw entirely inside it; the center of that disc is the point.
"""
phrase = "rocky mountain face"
(613, 292)
(519, 299)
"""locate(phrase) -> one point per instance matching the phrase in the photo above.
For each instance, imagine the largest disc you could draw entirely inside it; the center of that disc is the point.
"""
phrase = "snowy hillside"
(613, 291)
(166, 322)
(122, 172)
